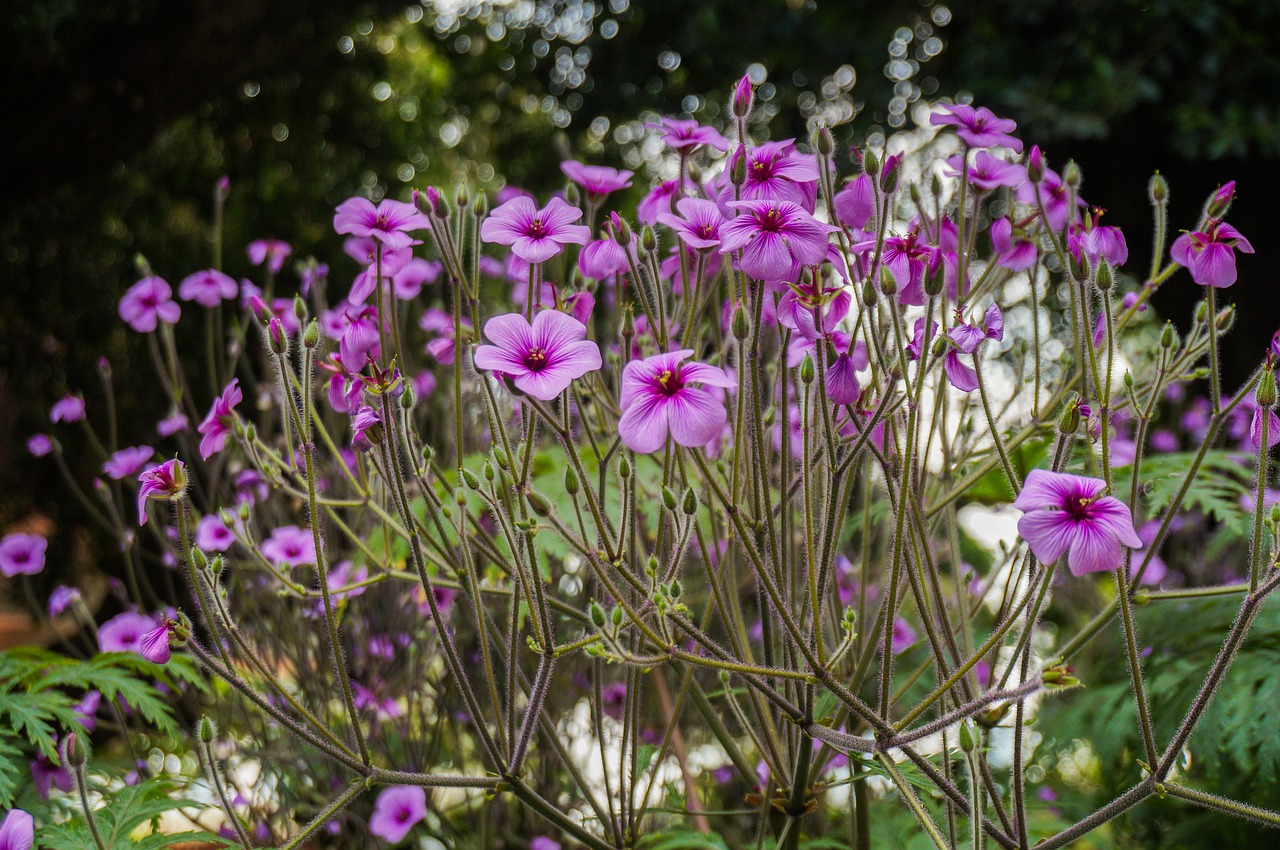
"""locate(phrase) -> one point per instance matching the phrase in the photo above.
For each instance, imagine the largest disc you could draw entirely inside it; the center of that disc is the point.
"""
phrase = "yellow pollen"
(664, 377)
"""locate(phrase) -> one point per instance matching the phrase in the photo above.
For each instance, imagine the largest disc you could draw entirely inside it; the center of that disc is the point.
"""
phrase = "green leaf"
(127, 810)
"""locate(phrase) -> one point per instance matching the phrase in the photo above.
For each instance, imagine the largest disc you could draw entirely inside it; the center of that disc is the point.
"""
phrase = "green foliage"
(682, 839)
(128, 810)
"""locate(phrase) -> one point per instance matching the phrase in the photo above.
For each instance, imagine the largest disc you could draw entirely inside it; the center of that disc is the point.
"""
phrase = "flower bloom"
(1012, 248)
(18, 831)
(22, 554)
(774, 172)
(148, 303)
(126, 462)
(659, 397)
(290, 545)
(67, 409)
(1210, 254)
(398, 809)
(1070, 514)
(978, 126)
(541, 359)
(1098, 242)
(390, 222)
(686, 134)
(39, 445)
(535, 235)
(774, 236)
(597, 180)
(273, 252)
(217, 424)
(62, 598)
(856, 203)
(124, 632)
(986, 172)
(162, 483)
(154, 645)
(212, 534)
(208, 288)
(967, 338)
(698, 224)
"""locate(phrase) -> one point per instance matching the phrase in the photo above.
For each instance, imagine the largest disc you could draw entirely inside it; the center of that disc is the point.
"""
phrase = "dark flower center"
(669, 382)
(771, 220)
(536, 228)
(536, 359)
(403, 815)
(1079, 508)
(761, 170)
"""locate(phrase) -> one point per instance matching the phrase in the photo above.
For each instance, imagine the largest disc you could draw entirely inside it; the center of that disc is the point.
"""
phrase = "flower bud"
(1265, 395)
(461, 197)
(807, 369)
(77, 750)
(621, 230)
(690, 502)
(470, 478)
(1106, 277)
(648, 239)
(597, 614)
(538, 503)
(668, 498)
(1035, 165)
(1071, 175)
(888, 283)
(934, 279)
(480, 206)
(738, 166)
(871, 163)
(868, 293)
(140, 263)
(207, 730)
(573, 195)
(889, 175)
(299, 309)
(311, 335)
(1069, 421)
(1080, 268)
(628, 328)
(966, 737)
(1226, 319)
(1221, 200)
(1201, 312)
(743, 98)
(1158, 188)
(570, 481)
(740, 324)
(823, 142)
(438, 204)
(624, 467)
(277, 336)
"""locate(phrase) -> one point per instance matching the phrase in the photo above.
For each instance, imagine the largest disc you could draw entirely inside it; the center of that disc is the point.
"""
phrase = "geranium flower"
(1055, 195)
(39, 445)
(657, 202)
(217, 425)
(62, 598)
(208, 288)
(1069, 514)
(22, 554)
(541, 359)
(686, 134)
(986, 172)
(397, 810)
(162, 483)
(698, 224)
(659, 397)
(535, 235)
(774, 172)
(856, 203)
(1210, 254)
(124, 632)
(212, 534)
(390, 222)
(148, 303)
(774, 236)
(967, 338)
(273, 252)
(291, 546)
(597, 181)
(978, 126)
(67, 409)
(1097, 242)
(1012, 249)
(154, 645)
(126, 462)
(409, 280)
(18, 831)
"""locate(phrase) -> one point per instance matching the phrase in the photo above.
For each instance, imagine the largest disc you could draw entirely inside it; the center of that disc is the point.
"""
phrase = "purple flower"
(212, 534)
(775, 172)
(903, 636)
(126, 462)
(986, 172)
(774, 236)
(535, 235)
(977, 126)
(62, 598)
(1255, 428)
(172, 424)
(208, 288)
(162, 483)
(1056, 197)
(67, 409)
(39, 445)
(273, 252)
(842, 379)
(147, 303)
(397, 810)
(698, 224)
(393, 261)
(909, 261)
(658, 201)
(1070, 514)
(601, 259)
(390, 222)
(856, 203)
(154, 645)
(597, 180)
(366, 427)
(541, 359)
(1013, 250)
(291, 546)
(659, 397)
(124, 632)
(22, 554)
(409, 280)
(1098, 242)
(18, 831)
(542, 842)
(360, 342)
(1210, 254)
(217, 425)
(686, 134)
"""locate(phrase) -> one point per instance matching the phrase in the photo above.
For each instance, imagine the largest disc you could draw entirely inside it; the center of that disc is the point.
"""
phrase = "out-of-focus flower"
(22, 554)
(219, 422)
(397, 810)
(208, 288)
(148, 303)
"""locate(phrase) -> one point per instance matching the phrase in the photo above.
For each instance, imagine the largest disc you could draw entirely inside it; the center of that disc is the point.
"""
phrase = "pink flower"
(659, 397)
(409, 280)
(212, 534)
(291, 546)
(148, 303)
(978, 127)
(856, 203)
(390, 222)
(658, 201)
(903, 636)
(986, 172)
(125, 632)
(541, 359)
(597, 180)
(162, 483)
(775, 172)
(398, 809)
(154, 645)
(22, 554)
(698, 224)
(217, 425)
(1055, 196)
(126, 462)
(1210, 254)
(18, 831)
(685, 135)
(172, 424)
(601, 259)
(774, 236)
(360, 342)
(39, 445)
(1013, 250)
(1098, 242)
(273, 252)
(1070, 514)
(62, 598)
(208, 288)
(67, 409)
(535, 235)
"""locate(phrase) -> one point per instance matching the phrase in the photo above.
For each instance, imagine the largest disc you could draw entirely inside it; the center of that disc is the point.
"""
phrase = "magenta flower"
(390, 222)
(1056, 197)
(698, 224)
(775, 172)
(366, 427)
(1070, 514)
(124, 632)
(22, 554)
(986, 172)
(212, 534)
(67, 409)
(18, 831)
(856, 203)
(774, 236)
(903, 636)
(154, 645)
(909, 260)
(398, 809)
(217, 425)
(1210, 254)
(273, 252)
(172, 424)
(978, 127)
(842, 378)
(1098, 242)
(542, 842)
(967, 338)
(596, 180)
(62, 598)
(659, 397)
(39, 445)
(126, 462)
(658, 201)
(148, 303)
(686, 134)
(208, 288)
(541, 359)
(409, 280)
(599, 260)
(360, 342)
(291, 546)
(535, 235)
(162, 483)
(1012, 249)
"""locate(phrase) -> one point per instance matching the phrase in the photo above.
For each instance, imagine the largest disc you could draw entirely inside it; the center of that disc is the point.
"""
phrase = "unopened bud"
(871, 163)
(598, 618)
(311, 335)
(1266, 392)
(1106, 277)
(695, 172)
(668, 498)
(823, 143)
(807, 369)
(624, 467)
(462, 197)
(740, 325)
(1069, 421)
(480, 206)
(628, 328)
(934, 279)
(469, 478)
(738, 166)
(690, 502)
(572, 194)
(489, 472)
(1201, 313)
(621, 230)
(888, 283)
(1071, 175)
(538, 503)
(1226, 319)
(570, 481)
(208, 730)
(1158, 188)
(890, 174)
(438, 204)
(299, 309)
(648, 239)
(77, 749)
(277, 336)
(743, 98)
(868, 293)
(1035, 165)
(140, 263)
(966, 737)
(1221, 200)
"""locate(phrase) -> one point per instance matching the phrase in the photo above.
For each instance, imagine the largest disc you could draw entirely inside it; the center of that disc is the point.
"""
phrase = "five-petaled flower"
(1210, 253)
(535, 235)
(542, 358)
(148, 303)
(1072, 514)
(978, 126)
(218, 423)
(659, 397)
(397, 810)
(273, 252)
(22, 554)
(698, 224)
(208, 288)
(686, 134)
(162, 483)
(776, 237)
(390, 222)
(597, 180)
